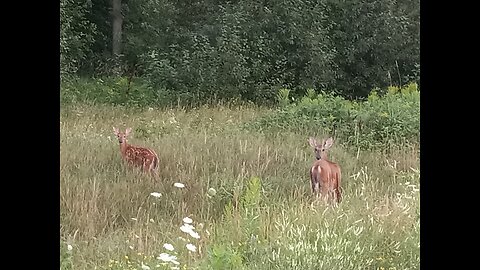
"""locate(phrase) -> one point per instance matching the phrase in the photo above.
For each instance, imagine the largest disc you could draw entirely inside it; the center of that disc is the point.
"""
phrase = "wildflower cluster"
(170, 255)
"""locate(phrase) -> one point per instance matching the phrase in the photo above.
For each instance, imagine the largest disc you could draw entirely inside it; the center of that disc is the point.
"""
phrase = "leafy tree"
(196, 51)
(76, 35)
(377, 41)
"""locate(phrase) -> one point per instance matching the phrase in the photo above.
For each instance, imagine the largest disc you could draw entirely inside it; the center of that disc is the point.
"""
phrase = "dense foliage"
(195, 51)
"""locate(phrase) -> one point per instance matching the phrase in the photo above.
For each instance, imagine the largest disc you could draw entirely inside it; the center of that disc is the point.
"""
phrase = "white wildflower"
(151, 220)
(130, 247)
(190, 226)
(69, 247)
(166, 257)
(179, 185)
(145, 267)
(156, 194)
(186, 228)
(211, 192)
(194, 235)
(191, 247)
(168, 246)
(187, 220)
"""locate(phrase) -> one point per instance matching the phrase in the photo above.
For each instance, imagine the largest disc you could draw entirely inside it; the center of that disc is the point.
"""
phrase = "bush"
(113, 91)
(380, 120)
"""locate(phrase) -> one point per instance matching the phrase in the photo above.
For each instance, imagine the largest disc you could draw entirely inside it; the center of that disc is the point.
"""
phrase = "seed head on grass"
(183, 239)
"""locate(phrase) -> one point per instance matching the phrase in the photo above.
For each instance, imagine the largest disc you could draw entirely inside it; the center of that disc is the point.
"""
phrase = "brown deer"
(325, 175)
(142, 157)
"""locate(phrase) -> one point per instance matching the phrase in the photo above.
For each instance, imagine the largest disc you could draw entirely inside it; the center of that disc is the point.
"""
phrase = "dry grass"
(107, 211)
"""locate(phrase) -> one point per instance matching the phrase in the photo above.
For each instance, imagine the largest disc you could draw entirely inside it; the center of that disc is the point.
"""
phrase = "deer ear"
(328, 143)
(312, 142)
(115, 130)
(127, 131)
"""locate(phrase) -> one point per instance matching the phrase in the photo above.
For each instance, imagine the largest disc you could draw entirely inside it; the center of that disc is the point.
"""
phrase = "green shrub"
(113, 91)
(223, 257)
(380, 120)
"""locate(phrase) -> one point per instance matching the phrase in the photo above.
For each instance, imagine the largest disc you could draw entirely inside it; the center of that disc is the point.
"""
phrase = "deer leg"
(151, 169)
(338, 195)
(313, 186)
(312, 181)
(156, 173)
(145, 166)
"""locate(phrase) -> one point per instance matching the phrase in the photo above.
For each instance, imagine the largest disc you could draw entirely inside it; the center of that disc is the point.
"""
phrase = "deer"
(142, 157)
(325, 175)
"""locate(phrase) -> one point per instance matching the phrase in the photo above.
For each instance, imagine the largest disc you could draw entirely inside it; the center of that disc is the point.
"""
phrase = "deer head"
(122, 136)
(320, 148)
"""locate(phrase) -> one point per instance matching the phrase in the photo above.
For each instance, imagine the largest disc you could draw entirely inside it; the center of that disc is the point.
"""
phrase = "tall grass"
(259, 212)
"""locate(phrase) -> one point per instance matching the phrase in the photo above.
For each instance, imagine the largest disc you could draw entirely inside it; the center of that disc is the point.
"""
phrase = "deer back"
(326, 173)
(141, 156)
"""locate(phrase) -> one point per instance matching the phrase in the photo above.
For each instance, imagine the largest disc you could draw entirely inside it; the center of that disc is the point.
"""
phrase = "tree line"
(239, 49)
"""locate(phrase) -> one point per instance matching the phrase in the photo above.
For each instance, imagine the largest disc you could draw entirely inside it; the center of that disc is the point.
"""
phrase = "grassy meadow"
(247, 193)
